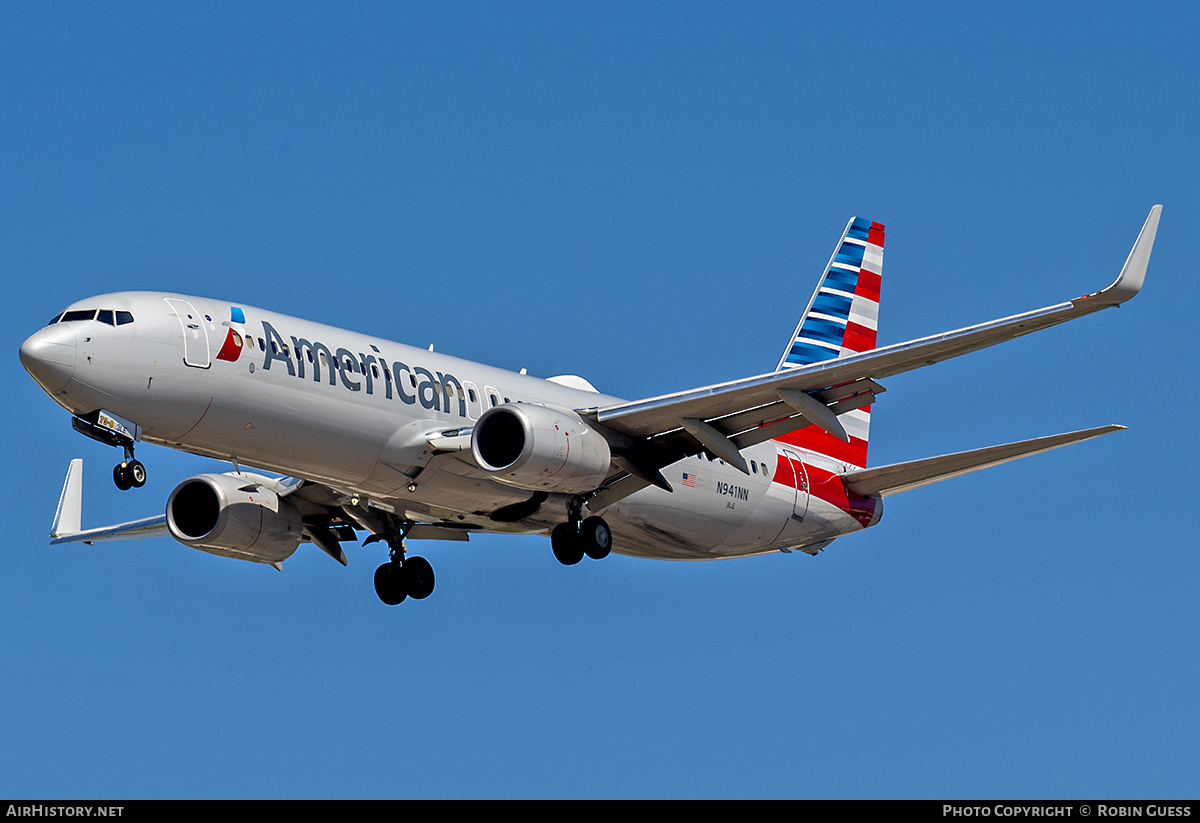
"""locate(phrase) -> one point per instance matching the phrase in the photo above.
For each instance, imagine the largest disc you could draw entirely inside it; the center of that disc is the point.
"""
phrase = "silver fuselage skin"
(258, 388)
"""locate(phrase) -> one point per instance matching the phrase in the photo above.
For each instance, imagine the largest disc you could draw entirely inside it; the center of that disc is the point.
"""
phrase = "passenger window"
(124, 318)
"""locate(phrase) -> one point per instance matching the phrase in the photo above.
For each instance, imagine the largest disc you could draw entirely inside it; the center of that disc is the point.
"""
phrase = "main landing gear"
(401, 577)
(395, 581)
(575, 538)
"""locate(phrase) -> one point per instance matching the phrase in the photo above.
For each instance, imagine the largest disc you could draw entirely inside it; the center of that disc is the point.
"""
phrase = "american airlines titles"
(432, 390)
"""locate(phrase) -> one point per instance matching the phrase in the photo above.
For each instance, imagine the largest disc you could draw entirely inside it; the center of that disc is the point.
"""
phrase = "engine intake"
(234, 516)
(540, 449)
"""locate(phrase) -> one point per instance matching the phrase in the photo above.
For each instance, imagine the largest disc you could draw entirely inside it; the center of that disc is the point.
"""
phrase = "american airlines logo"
(362, 372)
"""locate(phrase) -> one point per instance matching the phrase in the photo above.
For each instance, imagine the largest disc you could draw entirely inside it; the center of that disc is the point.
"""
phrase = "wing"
(66, 527)
(330, 516)
(723, 418)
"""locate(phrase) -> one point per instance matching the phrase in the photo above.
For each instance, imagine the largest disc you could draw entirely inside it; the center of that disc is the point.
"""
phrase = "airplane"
(408, 444)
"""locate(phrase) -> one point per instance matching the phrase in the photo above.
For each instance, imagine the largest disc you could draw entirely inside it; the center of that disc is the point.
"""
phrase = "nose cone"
(49, 356)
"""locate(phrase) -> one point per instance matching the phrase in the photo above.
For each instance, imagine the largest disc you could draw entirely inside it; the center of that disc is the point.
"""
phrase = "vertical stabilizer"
(842, 318)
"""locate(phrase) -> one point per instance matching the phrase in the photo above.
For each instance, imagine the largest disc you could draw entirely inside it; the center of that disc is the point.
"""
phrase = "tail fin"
(843, 314)
(842, 318)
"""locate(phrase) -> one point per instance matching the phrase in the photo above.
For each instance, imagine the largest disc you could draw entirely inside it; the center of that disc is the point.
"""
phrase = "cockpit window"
(109, 316)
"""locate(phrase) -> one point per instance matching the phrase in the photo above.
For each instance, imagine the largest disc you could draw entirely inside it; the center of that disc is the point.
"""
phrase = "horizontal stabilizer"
(900, 477)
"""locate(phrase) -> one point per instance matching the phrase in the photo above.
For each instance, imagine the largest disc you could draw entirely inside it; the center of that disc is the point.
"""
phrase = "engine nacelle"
(540, 449)
(234, 516)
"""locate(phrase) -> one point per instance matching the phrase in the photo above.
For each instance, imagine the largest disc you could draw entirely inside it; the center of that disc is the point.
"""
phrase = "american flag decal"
(689, 480)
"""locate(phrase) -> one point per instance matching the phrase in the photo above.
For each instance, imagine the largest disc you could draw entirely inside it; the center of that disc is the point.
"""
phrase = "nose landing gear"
(129, 473)
(115, 431)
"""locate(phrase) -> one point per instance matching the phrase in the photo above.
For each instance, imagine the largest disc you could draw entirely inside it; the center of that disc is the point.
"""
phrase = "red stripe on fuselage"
(827, 486)
(821, 442)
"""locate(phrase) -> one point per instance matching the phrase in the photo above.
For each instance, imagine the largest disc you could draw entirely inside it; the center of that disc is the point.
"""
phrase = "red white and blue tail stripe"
(843, 314)
(842, 318)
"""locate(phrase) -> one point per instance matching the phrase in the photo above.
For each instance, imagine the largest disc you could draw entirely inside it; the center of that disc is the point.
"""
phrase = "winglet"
(67, 526)
(68, 517)
(1129, 283)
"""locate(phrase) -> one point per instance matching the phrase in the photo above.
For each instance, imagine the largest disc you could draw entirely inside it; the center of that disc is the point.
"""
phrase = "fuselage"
(356, 413)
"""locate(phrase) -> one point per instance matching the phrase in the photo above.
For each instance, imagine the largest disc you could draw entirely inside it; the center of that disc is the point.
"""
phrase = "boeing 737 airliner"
(403, 443)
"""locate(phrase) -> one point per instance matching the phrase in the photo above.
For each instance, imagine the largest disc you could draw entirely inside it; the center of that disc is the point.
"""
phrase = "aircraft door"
(195, 335)
(800, 473)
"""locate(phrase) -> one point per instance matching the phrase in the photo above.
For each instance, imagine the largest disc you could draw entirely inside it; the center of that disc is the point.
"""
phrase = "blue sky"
(643, 194)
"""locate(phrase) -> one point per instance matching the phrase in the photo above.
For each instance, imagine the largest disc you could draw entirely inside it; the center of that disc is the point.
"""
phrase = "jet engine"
(234, 516)
(540, 449)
